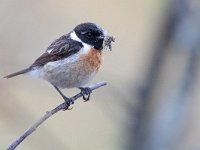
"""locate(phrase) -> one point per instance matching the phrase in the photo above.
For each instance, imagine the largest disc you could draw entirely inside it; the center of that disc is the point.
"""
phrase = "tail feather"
(18, 73)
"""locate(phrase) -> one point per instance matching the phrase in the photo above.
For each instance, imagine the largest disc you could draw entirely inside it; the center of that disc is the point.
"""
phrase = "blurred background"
(152, 98)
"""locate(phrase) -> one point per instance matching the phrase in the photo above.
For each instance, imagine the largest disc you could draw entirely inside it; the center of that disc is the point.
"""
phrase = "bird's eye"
(97, 34)
(89, 34)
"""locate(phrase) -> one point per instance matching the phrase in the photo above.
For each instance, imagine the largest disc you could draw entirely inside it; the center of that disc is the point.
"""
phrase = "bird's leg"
(85, 91)
(67, 100)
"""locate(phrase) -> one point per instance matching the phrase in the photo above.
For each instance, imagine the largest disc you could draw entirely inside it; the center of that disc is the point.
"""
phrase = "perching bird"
(72, 60)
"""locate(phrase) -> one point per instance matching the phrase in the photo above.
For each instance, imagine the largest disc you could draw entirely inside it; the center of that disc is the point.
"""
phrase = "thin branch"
(63, 106)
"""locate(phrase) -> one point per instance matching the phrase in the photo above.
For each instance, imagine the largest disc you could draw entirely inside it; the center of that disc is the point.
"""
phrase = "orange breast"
(92, 60)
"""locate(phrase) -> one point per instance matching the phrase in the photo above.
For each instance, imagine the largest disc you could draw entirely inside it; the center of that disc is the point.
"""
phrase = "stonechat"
(72, 60)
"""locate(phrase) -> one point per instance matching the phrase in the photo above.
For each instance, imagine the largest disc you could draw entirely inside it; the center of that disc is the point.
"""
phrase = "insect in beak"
(108, 42)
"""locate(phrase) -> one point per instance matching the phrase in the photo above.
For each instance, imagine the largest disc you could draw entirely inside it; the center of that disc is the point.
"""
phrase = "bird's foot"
(69, 102)
(86, 91)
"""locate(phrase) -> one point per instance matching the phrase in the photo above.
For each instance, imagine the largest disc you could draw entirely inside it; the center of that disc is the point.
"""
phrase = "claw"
(86, 93)
(69, 102)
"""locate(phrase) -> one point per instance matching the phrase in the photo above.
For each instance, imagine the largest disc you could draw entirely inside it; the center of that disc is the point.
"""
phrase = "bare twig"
(63, 106)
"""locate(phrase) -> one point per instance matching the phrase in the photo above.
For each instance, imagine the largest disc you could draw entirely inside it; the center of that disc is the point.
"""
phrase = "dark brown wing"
(59, 49)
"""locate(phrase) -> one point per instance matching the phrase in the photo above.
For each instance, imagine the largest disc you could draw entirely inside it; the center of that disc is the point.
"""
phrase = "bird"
(72, 60)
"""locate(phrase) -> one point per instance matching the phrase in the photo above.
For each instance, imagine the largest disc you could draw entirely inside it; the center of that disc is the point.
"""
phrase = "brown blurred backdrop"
(152, 98)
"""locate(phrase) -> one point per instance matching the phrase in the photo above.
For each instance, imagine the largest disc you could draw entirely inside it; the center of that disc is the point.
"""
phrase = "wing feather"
(59, 49)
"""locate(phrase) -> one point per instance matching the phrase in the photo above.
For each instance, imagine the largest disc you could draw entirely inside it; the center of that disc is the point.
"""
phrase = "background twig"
(48, 114)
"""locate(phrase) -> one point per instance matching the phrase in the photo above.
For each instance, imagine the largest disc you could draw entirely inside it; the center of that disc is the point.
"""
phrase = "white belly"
(65, 73)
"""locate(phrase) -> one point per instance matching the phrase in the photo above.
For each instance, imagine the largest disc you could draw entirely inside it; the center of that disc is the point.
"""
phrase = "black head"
(91, 34)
